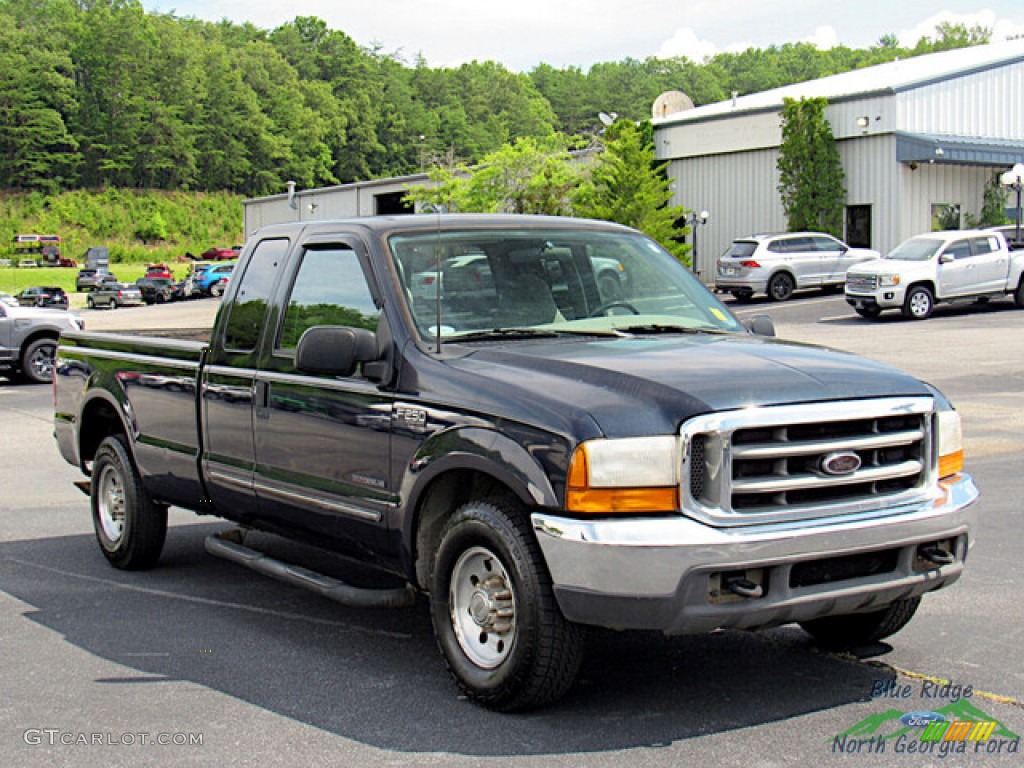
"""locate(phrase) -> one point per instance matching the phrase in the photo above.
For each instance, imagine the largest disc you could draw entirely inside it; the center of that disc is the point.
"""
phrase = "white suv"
(920, 272)
(780, 264)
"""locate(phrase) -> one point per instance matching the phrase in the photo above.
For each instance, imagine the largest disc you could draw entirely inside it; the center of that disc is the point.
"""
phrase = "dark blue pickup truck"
(542, 424)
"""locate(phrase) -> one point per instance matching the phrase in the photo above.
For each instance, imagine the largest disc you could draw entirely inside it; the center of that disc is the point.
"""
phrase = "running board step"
(226, 545)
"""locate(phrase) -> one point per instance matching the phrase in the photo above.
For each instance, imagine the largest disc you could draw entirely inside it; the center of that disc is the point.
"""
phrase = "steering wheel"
(603, 309)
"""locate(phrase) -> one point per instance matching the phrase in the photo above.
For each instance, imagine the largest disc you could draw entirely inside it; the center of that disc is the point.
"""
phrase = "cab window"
(330, 288)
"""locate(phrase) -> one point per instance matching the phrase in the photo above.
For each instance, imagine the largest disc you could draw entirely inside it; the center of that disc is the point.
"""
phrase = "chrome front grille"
(805, 461)
(857, 283)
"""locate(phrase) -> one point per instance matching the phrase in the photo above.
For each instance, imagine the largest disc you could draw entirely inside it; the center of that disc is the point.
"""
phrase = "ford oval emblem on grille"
(840, 463)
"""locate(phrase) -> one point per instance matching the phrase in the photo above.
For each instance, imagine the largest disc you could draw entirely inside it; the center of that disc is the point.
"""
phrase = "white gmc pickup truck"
(937, 267)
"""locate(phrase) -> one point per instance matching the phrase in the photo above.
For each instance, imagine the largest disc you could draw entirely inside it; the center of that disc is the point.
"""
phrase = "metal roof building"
(915, 137)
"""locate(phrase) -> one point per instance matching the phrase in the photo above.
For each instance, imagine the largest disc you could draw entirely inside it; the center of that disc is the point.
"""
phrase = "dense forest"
(99, 93)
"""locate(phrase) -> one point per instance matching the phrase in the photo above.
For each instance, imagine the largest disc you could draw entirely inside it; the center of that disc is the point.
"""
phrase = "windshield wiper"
(503, 333)
(653, 328)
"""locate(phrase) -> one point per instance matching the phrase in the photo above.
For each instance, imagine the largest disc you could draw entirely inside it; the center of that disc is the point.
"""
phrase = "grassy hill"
(138, 226)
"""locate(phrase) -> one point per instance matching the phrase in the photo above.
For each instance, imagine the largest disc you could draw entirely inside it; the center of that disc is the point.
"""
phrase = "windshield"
(558, 280)
(917, 249)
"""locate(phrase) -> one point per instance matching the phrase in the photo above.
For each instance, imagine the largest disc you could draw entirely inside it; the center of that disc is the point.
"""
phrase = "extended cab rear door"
(323, 441)
(229, 381)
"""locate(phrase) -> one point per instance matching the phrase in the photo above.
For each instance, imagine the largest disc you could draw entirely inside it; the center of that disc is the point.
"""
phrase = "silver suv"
(28, 339)
(780, 264)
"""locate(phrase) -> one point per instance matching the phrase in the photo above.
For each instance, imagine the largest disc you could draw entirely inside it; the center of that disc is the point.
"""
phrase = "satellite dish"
(671, 102)
(606, 118)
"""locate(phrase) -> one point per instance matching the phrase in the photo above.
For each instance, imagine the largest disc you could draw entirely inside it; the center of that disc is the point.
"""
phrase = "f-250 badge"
(411, 418)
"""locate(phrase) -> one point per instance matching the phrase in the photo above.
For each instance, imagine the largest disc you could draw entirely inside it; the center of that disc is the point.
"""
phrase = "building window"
(858, 226)
(945, 216)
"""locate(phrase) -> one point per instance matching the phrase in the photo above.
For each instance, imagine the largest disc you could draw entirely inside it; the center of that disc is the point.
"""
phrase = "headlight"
(888, 279)
(635, 474)
(951, 443)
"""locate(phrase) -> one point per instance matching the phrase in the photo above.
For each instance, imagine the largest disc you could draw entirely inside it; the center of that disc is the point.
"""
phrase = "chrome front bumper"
(662, 573)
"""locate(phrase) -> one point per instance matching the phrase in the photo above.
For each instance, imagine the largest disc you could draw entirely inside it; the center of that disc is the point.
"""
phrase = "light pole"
(1014, 179)
(693, 220)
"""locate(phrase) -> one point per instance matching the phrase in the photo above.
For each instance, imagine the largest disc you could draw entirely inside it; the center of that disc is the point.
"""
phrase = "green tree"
(529, 176)
(37, 149)
(627, 185)
(811, 179)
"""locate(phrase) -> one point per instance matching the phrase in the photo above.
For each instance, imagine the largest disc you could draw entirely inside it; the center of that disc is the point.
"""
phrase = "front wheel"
(1018, 295)
(919, 303)
(500, 631)
(37, 361)
(130, 527)
(869, 312)
(781, 287)
(856, 629)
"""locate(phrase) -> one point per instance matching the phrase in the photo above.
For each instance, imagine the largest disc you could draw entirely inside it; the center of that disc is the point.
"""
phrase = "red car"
(159, 270)
(220, 254)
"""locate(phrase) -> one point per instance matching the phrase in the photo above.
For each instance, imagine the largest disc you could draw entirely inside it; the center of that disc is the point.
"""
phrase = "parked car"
(28, 339)
(157, 290)
(10, 301)
(88, 278)
(530, 464)
(43, 296)
(780, 264)
(959, 265)
(115, 295)
(211, 276)
(220, 254)
(159, 270)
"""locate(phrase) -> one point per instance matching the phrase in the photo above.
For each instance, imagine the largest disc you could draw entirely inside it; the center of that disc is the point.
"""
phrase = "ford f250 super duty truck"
(535, 451)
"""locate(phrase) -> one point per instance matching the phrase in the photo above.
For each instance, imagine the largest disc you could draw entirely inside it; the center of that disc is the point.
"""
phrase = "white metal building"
(914, 137)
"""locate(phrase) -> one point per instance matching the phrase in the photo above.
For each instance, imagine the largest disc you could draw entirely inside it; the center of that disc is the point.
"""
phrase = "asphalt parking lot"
(100, 666)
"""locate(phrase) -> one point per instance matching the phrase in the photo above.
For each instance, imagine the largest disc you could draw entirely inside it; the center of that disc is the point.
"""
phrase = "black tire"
(781, 286)
(216, 290)
(919, 304)
(869, 312)
(130, 527)
(858, 629)
(90, 302)
(1018, 295)
(512, 649)
(742, 296)
(37, 360)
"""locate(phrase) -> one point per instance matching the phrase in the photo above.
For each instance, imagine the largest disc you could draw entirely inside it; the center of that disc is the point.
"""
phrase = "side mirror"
(945, 259)
(335, 350)
(760, 325)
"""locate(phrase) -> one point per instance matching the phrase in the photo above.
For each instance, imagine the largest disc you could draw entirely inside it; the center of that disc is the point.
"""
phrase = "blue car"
(213, 275)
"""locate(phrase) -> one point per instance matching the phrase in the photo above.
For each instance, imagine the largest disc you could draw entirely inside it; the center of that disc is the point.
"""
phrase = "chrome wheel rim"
(111, 504)
(482, 607)
(919, 304)
(41, 362)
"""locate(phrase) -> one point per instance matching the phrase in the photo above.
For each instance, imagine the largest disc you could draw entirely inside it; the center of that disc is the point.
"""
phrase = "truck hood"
(650, 385)
(891, 267)
(59, 318)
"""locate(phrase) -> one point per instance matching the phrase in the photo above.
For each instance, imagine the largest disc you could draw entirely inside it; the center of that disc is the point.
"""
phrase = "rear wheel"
(856, 629)
(919, 303)
(781, 286)
(130, 527)
(500, 631)
(1018, 295)
(37, 361)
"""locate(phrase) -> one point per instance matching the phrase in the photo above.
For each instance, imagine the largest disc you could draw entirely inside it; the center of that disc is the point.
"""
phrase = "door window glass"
(959, 249)
(330, 289)
(248, 311)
